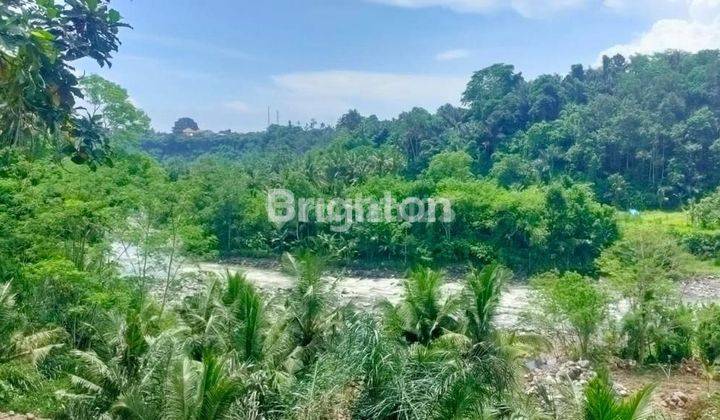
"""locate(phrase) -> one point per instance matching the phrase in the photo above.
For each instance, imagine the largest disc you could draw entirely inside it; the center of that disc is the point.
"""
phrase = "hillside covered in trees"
(643, 131)
(640, 133)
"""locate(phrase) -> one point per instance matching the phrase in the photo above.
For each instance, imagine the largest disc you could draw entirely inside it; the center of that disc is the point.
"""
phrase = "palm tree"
(310, 315)
(228, 319)
(488, 358)
(482, 299)
(204, 317)
(101, 378)
(246, 317)
(424, 314)
(15, 344)
(601, 403)
(145, 398)
(198, 390)
(130, 383)
(454, 367)
(96, 386)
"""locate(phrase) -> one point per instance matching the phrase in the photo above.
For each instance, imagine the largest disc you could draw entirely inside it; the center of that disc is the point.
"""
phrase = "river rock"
(677, 399)
(546, 380)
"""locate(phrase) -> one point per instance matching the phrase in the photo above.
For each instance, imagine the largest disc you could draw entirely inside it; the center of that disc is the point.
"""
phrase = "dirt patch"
(682, 380)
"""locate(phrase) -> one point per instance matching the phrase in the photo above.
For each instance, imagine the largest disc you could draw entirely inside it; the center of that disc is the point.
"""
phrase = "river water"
(366, 291)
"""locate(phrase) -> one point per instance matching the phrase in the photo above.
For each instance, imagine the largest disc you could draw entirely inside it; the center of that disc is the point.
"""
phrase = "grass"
(40, 400)
(668, 221)
(675, 223)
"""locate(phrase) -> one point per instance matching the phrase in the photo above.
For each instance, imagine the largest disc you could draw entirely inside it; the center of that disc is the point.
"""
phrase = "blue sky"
(224, 62)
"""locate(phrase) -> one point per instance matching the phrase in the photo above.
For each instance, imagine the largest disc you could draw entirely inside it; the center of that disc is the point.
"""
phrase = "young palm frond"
(145, 399)
(492, 355)
(330, 389)
(311, 317)
(228, 318)
(200, 390)
(132, 345)
(463, 400)
(128, 377)
(202, 314)
(483, 297)
(7, 303)
(246, 313)
(424, 314)
(32, 347)
(18, 345)
(638, 405)
(95, 387)
(423, 382)
(521, 345)
(182, 388)
(601, 403)
(133, 404)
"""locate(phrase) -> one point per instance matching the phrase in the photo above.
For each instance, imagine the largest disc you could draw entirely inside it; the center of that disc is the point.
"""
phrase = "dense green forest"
(540, 174)
(640, 134)
(643, 132)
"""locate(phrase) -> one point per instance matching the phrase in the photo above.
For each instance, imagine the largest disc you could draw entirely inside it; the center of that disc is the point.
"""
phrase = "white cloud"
(527, 8)
(651, 8)
(671, 34)
(238, 106)
(699, 29)
(455, 54)
(325, 95)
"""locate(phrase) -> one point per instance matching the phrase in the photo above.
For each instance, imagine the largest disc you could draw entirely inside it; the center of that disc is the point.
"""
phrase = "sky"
(224, 62)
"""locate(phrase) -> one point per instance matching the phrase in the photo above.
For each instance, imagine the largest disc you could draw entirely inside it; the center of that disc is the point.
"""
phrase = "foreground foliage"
(38, 41)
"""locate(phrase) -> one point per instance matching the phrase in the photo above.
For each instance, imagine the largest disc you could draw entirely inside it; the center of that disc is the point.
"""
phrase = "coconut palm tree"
(103, 389)
(424, 314)
(228, 319)
(310, 316)
(96, 386)
(482, 297)
(456, 366)
(198, 390)
(102, 377)
(203, 314)
(145, 398)
(245, 312)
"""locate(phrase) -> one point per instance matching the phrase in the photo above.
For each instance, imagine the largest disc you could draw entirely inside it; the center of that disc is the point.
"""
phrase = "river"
(366, 291)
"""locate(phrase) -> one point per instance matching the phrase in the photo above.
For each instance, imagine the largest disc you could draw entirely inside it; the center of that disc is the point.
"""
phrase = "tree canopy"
(39, 89)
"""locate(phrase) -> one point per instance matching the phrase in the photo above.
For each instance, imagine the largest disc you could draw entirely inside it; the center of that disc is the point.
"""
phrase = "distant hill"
(276, 139)
(644, 131)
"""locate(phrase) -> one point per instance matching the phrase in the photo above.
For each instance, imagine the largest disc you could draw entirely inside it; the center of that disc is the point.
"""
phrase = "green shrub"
(658, 334)
(15, 379)
(703, 244)
(643, 268)
(672, 338)
(576, 302)
(634, 331)
(708, 333)
(706, 212)
(24, 390)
